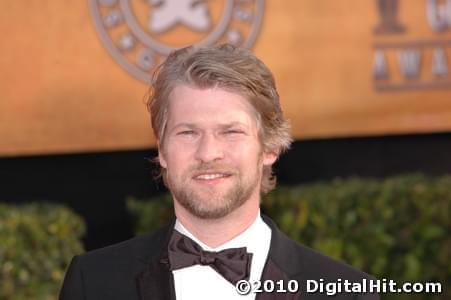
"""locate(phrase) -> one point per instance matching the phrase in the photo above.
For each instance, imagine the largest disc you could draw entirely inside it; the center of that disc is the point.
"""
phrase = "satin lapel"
(273, 273)
(156, 283)
(279, 264)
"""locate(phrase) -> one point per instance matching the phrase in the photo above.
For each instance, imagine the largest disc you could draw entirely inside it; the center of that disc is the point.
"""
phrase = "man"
(219, 127)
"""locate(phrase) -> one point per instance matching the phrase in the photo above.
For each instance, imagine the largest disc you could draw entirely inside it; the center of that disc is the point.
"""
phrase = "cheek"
(178, 158)
(245, 154)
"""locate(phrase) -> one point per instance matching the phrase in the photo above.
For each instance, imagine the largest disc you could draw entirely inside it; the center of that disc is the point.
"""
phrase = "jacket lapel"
(273, 268)
(272, 272)
(156, 282)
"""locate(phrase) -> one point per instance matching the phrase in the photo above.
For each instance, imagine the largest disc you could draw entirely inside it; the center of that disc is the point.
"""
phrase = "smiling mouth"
(211, 176)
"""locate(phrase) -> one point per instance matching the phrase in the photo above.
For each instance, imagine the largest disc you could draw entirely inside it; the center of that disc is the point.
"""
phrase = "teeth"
(210, 176)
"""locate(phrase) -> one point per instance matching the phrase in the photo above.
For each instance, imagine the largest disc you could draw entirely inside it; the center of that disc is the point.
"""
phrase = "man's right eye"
(186, 132)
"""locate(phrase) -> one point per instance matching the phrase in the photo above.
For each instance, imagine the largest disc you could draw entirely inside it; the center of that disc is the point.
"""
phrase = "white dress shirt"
(200, 282)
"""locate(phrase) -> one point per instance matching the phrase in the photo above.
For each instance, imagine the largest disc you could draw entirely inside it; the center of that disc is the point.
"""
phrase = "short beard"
(192, 201)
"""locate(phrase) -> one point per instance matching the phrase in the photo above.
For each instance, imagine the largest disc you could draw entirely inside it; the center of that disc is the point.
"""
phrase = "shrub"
(397, 228)
(150, 215)
(37, 242)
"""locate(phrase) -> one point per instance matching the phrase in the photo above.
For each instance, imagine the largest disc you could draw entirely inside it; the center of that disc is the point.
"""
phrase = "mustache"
(212, 168)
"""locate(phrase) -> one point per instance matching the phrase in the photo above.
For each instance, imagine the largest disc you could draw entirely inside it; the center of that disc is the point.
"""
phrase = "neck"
(215, 232)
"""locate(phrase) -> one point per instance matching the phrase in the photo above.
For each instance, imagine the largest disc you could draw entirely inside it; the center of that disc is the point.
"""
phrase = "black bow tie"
(233, 264)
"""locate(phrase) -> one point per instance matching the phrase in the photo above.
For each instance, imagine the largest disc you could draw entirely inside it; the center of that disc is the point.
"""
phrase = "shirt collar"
(250, 238)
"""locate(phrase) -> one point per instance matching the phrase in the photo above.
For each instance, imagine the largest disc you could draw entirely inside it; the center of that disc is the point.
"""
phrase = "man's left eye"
(233, 132)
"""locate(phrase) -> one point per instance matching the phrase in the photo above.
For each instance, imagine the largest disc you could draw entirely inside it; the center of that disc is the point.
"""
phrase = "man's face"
(211, 151)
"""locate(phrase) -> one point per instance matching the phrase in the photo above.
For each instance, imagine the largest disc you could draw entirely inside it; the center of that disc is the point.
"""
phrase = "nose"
(209, 148)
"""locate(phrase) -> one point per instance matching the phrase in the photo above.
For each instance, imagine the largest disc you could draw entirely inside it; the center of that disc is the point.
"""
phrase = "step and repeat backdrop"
(74, 74)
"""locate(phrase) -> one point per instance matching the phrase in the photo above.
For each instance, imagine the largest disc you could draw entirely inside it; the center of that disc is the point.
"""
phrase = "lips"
(211, 176)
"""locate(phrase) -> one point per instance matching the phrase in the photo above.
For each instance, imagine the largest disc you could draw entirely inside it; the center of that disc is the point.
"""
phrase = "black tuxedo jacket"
(139, 269)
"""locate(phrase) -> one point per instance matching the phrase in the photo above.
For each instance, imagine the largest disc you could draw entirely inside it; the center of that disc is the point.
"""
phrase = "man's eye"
(187, 132)
(233, 131)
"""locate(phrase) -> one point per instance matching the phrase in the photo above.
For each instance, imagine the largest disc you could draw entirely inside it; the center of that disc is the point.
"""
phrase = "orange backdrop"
(61, 91)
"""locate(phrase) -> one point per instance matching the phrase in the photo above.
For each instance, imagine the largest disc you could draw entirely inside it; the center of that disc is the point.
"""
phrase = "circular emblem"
(139, 34)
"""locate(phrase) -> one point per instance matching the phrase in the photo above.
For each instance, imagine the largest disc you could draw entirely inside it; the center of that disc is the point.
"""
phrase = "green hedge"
(37, 242)
(397, 228)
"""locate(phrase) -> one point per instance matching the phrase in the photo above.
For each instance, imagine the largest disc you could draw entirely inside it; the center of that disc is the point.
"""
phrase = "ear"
(270, 157)
(161, 158)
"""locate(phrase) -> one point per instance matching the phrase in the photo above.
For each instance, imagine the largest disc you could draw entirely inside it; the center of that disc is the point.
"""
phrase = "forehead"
(188, 104)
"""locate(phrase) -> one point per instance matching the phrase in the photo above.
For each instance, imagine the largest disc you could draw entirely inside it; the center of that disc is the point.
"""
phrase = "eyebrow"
(223, 126)
(232, 124)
